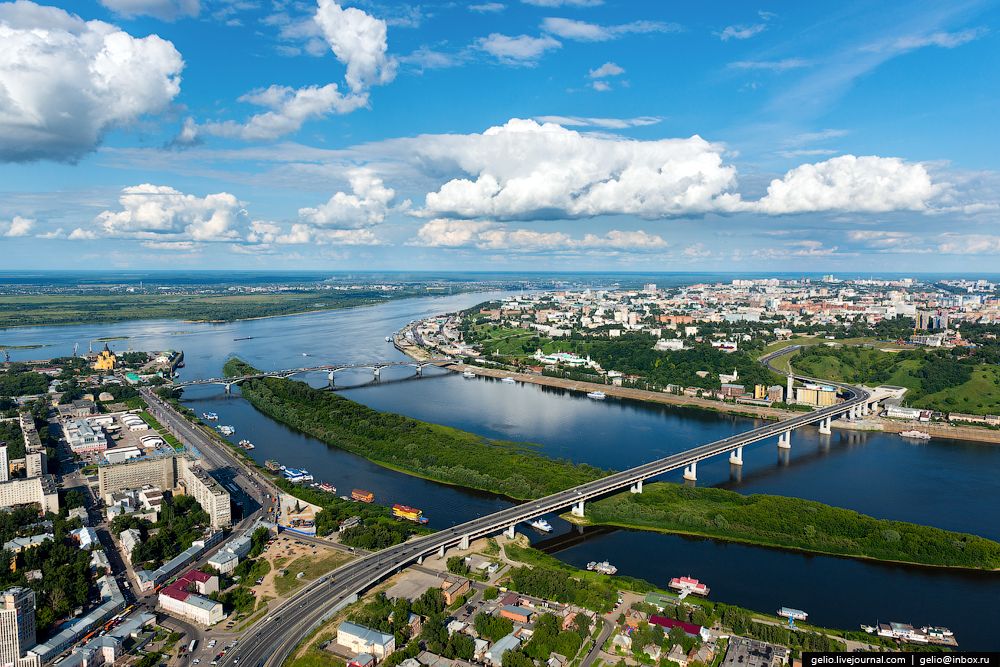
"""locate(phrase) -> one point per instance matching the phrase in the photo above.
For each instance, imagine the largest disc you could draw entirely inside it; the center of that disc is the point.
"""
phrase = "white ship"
(597, 395)
(541, 524)
(915, 435)
(246, 444)
(604, 567)
(227, 430)
(468, 374)
(388, 339)
(508, 380)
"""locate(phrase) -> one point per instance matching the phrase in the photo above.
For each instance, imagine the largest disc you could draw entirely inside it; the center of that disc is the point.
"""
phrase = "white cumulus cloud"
(64, 81)
(970, 244)
(606, 123)
(593, 32)
(606, 70)
(359, 41)
(850, 183)
(167, 10)
(161, 213)
(19, 227)
(448, 233)
(741, 31)
(366, 205)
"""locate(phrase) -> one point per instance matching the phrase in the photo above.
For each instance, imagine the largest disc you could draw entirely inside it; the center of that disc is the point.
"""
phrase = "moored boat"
(409, 513)
(915, 435)
(329, 488)
(597, 395)
(468, 374)
(508, 380)
(246, 444)
(541, 524)
(226, 430)
(363, 496)
(689, 585)
(794, 614)
(603, 567)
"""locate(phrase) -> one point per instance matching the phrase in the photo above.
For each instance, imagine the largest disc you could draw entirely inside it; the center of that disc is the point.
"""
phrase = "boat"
(409, 513)
(297, 476)
(794, 614)
(246, 444)
(468, 374)
(226, 430)
(915, 435)
(210, 416)
(597, 395)
(541, 524)
(329, 488)
(363, 496)
(388, 339)
(689, 585)
(272, 465)
(508, 380)
(244, 338)
(604, 567)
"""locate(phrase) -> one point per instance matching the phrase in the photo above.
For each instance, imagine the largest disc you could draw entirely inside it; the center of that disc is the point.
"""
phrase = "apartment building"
(41, 491)
(17, 627)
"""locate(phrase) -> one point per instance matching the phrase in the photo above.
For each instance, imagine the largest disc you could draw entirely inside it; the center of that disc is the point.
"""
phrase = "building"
(106, 360)
(171, 470)
(899, 412)
(494, 656)
(36, 463)
(816, 394)
(4, 463)
(730, 390)
(41, 491)
(224, 562)
(84, 438)
(515, 613)
(453, 588)
(689, 629)
(776, 393)
(79, 408)
(122, 454)
(19, 544)
(743, 652)
(130, 539)
(187, 597)
(17, 626)
(360, 639)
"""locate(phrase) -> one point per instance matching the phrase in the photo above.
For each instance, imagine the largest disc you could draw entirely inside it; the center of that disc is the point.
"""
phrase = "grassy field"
(164, 433)
(791, 523)
(312, 567)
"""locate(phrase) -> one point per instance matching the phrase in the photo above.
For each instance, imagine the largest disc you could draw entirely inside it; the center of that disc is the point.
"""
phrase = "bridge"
(271, 640)
(330, 369)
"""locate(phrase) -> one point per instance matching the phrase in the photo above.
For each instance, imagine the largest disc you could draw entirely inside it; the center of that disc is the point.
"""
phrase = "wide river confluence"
(948, 484)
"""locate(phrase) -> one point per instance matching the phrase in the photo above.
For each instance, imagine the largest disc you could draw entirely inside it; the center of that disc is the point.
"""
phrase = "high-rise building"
(17, 625)
(4, 462)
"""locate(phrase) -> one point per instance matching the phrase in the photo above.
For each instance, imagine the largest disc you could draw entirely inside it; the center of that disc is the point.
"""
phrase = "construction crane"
(76, 346)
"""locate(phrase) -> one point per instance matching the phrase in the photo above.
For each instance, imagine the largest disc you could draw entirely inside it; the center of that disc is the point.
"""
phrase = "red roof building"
(669, 623)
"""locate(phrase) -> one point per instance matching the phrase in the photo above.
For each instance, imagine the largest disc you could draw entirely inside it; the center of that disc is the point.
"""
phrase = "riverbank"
(431, 451)
(789, 523)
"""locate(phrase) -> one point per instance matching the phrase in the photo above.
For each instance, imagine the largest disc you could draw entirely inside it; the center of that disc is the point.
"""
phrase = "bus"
(192, 646)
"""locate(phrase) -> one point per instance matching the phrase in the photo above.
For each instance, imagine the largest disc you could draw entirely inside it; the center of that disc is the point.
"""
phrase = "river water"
(948, 484)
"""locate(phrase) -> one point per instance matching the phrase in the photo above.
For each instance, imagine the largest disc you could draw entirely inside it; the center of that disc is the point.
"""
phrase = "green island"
(439, 453)
(951, 380)
(791, 523)
(64, 309)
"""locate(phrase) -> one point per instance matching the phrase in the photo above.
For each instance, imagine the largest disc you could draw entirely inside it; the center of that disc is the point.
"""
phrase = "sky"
(644, 135)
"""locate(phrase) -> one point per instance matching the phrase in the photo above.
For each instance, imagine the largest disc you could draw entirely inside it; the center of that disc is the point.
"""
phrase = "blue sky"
(517, 134)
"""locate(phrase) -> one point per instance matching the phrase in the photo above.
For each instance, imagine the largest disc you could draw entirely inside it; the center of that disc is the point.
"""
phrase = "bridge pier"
(874, 408)
(509, 533)
(691, 472)
(824, 426)
(785, 440)
(637, 487)
(376, 372)
(420, 370)
(330, 378)
(441, 551)
(420, 560)
(736, 457)
(229, 388)
(464, 544)
(577, 509)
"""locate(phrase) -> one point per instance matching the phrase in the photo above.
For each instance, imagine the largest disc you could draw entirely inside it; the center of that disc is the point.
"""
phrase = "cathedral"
(105, 360)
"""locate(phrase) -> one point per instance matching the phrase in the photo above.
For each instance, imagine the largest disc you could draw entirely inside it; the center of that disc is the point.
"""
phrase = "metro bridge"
(268, 642)
(330, 369)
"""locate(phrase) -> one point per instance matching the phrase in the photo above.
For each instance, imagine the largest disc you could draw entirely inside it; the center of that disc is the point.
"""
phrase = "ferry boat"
(210, 416)
(604, 567)
(597, 395)
(226, 430)
(296, 476)
(541, 524)
(688, 584)
(363, 496)
(915, 435)
(508, 380)
(329, 488)
(794, 614)
(409, 513)
(272, 465)
(246, 444)
(468, 374)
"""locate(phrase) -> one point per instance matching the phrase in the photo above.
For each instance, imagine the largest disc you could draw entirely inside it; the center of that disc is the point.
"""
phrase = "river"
(948, 484)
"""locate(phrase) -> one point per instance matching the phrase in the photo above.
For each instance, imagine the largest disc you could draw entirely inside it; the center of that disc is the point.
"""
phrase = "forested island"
(435, 452)
(791, 523)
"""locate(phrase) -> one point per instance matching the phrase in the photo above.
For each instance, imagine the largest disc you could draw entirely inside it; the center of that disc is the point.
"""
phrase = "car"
(212, 643)
(214, 663)
(196, 661)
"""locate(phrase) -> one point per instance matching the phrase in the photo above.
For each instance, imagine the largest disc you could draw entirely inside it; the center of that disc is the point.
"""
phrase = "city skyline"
(535, 134)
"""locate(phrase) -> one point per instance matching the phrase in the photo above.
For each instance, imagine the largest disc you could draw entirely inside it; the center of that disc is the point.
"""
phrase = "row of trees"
(20, 380)
(437, 452)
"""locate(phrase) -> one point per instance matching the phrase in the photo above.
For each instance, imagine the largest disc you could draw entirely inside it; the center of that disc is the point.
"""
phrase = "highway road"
(271, 640)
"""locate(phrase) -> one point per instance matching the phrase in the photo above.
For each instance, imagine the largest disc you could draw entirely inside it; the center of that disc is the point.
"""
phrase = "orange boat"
(363, 496)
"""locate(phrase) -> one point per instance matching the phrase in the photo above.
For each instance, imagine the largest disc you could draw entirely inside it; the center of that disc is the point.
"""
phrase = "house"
(494, 656)
(362, 660)
(557, 660)
(623, 642)
(653, 651)
(86, 537)
(362, 640)
(678, 655)
(689, 629)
